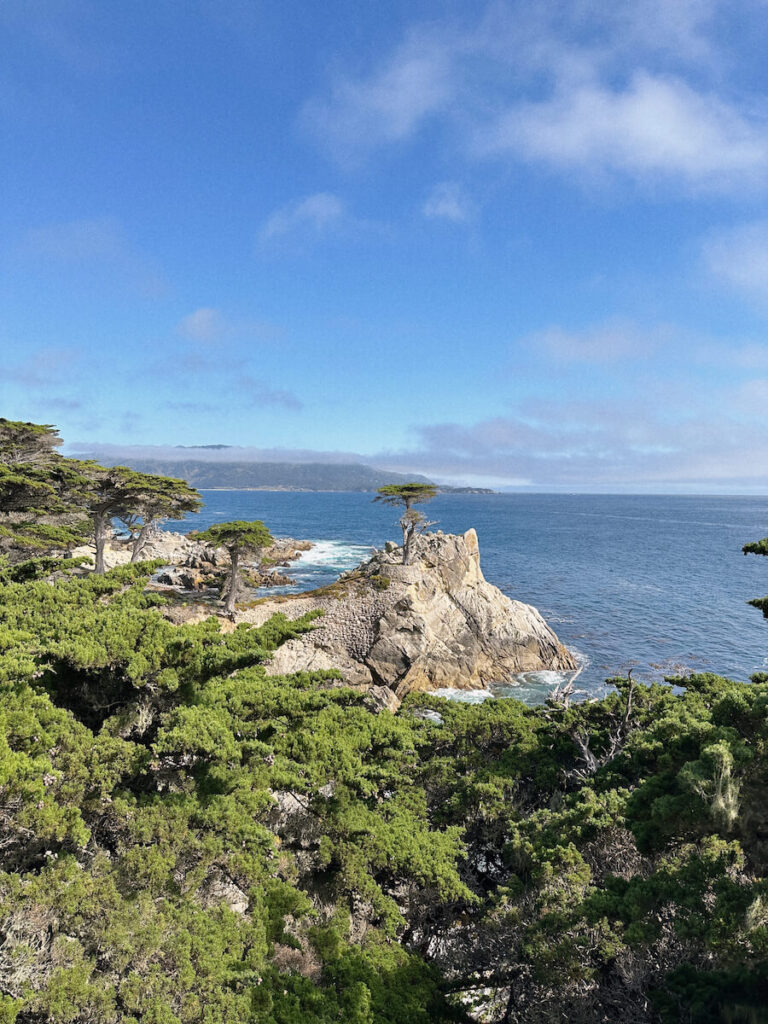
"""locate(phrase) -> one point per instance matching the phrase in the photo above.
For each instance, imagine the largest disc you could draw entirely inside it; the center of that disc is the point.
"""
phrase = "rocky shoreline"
(431, 624)
(388, 628)
(193, 568)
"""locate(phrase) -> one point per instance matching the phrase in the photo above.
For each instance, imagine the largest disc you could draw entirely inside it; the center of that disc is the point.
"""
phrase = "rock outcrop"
(434, 623)
(196, 566)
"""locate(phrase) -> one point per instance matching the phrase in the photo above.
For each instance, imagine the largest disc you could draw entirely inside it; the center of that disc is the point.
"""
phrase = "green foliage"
(254, 848)
(406, 494)
(759, 547)
(189, 840)
(137, 772)
(48, 503)
(38, 512)
(237, 536)
(412, 522)
(241, 539)
(152, 499)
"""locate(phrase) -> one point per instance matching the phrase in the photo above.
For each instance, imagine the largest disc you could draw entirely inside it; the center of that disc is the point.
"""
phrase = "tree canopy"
(240, 538)
(154, 499)
(50, 503)
(412, 522)
(186, 839)
(40, 509)
(406, 495)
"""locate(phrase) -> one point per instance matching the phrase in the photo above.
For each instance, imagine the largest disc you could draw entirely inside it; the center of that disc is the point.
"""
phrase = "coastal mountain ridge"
(279, 476)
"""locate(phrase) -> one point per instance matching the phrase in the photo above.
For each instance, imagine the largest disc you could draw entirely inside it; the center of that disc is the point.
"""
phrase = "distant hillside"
(275, 476)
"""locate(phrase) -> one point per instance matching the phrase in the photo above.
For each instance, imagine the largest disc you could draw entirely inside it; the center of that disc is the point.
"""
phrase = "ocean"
(654, 583)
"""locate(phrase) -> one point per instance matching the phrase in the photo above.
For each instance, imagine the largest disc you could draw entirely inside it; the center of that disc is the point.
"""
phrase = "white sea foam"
(333, 554)
(529, 687)
(322, 564)
(463, 696)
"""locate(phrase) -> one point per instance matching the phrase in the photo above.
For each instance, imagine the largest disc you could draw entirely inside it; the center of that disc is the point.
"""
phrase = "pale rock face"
(173, 548)
(434, 623)
(178, 549)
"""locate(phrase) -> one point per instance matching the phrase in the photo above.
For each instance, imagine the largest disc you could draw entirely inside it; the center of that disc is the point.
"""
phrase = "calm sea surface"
(658, 583)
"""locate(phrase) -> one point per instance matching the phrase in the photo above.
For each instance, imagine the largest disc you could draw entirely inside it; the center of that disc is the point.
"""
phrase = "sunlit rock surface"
(434, 623)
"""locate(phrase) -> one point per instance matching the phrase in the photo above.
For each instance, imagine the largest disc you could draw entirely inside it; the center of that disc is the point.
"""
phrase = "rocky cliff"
(434, 623)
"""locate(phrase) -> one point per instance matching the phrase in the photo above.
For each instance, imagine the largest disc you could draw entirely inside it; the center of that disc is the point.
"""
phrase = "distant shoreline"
(314, 490)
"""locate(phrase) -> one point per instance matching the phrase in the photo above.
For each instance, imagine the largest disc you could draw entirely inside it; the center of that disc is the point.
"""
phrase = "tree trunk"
(407, 532)
(140, 541)
(407, 541)
(233, 581)
(100, 540)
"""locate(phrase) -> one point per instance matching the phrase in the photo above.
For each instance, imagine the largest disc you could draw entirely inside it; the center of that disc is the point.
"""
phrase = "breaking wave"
(321, 565)
(528, 687)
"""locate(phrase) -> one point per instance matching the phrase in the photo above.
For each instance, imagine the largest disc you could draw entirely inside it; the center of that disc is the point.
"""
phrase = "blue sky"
(523, 244)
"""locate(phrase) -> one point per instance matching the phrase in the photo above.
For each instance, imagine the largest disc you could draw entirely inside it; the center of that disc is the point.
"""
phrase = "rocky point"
(433, 623)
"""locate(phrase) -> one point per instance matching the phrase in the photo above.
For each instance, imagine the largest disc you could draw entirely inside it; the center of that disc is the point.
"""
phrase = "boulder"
(433, 623)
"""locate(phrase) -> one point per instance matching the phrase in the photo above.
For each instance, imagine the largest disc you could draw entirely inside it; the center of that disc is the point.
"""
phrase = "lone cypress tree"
(241, 539)
(412, 522)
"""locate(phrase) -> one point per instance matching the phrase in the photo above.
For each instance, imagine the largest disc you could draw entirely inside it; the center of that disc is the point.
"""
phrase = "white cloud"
(738, 257)
(46, 367)
(606, 444)
(448, 201)
(315, 213)
(656, 127)
(604, 343)
(95, 242)
(78, 240)
(257, 393)
(389, 104)
(204, 324)
(207, 325)
(637, 90)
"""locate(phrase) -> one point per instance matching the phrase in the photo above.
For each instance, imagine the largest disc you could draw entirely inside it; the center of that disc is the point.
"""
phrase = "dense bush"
(186, 839)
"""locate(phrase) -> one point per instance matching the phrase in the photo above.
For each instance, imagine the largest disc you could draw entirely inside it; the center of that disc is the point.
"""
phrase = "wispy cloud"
(636, 91)
(607, 342)
(655, 127)
(607, 444)
(314, 214)
(77, 240)
(195, 407)
(100, 242)
(204, 324)
(390, 103)
(208, 325)
(448, 201)
(45, 368)
(256, 392)
(738, 257)
(214, 451)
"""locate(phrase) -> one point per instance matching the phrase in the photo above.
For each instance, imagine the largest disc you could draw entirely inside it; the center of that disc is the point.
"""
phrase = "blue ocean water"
(657, 583)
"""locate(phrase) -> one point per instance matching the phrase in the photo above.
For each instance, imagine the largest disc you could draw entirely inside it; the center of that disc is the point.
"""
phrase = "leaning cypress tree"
(119, 492)
(40, 507)
(412, 522)
(157, 498)
(241, 539)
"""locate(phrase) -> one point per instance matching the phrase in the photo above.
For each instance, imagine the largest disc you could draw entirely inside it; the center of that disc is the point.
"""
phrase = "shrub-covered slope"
(185, 839)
